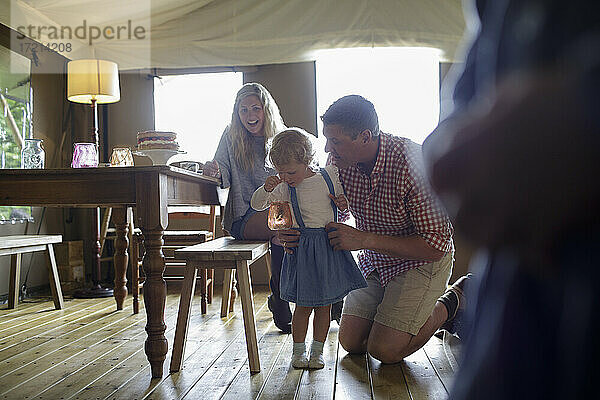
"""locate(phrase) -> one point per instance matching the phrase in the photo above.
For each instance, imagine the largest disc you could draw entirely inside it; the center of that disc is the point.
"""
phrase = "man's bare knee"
(388, 345)
(353, 345)
(385, 353)
(354, 333)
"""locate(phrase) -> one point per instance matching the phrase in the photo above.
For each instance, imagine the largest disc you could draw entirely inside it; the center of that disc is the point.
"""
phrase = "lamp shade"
(89, 80)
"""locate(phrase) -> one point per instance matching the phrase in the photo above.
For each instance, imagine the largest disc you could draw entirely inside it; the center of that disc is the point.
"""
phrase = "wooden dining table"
(150, 190)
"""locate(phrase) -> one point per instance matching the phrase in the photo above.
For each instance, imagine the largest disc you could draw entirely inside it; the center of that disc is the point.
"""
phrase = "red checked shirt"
(395, 200)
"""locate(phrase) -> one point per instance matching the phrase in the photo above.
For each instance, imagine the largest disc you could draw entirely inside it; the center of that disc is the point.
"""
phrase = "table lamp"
(93, 82)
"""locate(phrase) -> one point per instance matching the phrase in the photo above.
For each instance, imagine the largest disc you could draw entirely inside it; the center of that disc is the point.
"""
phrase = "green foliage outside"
(10, 151)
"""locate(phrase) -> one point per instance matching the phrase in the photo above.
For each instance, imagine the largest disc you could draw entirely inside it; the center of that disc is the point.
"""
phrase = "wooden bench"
(228, 254)
(15, 246)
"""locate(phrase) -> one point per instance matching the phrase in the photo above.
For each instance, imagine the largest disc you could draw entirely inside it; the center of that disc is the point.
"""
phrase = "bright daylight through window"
(402, 83)
(198, 108)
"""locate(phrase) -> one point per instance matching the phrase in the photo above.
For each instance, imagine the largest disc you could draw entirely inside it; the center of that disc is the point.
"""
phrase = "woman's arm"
(220, 166)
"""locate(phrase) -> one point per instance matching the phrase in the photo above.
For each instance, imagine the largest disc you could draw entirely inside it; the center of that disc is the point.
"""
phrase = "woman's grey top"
(241, 183)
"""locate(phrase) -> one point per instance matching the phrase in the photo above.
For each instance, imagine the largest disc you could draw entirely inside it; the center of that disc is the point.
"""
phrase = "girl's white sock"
(299, 357)
(316, 355)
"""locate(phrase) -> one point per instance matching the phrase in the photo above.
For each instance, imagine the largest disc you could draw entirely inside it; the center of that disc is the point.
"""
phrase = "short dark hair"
(354, 113)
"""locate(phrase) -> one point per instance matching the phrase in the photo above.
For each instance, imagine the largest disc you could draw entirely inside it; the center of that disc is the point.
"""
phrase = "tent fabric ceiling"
(204, 33)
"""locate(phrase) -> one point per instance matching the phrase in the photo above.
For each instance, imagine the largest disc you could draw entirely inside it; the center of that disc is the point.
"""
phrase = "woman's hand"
(340, 201)
(271, 183)
(211, 168)
(289, 239)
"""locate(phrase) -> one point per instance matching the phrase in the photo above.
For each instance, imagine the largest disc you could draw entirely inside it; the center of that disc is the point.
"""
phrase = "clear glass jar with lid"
(33, 155)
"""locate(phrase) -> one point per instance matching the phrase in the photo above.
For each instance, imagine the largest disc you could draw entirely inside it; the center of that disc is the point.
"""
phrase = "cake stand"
(158, 156)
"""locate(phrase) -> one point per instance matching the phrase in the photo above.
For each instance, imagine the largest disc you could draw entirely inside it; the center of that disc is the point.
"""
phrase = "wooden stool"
(174, 240)
(15, 246)
(174, 265)
(229, 254)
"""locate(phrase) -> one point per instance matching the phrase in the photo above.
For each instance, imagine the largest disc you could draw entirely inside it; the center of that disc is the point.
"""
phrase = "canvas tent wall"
(191, 33)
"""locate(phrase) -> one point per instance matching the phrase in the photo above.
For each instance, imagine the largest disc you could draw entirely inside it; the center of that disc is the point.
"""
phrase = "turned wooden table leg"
(121, 257)
(155, 293)
(203, 294)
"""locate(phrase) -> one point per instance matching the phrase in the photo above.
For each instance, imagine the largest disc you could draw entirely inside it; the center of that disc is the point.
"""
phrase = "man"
(517, 162)
(405, 237)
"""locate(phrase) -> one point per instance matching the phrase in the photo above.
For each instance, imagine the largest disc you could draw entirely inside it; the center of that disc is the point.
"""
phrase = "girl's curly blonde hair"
(292, 145)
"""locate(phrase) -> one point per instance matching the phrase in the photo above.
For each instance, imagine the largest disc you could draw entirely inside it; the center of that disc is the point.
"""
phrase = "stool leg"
(203, 277)
(227, 279)
(233, 293)
(54, 280)
(248, 313)
(183, 317)
(13, 283)
(211, 277)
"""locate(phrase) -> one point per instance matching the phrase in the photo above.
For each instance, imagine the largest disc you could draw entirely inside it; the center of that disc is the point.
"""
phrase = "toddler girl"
(314, 276)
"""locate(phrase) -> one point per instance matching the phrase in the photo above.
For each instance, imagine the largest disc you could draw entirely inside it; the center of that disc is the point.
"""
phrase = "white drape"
(188, 33)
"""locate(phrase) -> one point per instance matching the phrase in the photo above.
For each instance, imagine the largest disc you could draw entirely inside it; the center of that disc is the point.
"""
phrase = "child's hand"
(340, 201)
(272, 182)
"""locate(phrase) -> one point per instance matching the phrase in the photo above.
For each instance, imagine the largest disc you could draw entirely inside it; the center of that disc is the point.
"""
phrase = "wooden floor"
(90, 351)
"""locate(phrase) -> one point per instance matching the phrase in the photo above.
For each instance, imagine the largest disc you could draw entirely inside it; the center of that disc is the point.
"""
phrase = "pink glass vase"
(85, 155)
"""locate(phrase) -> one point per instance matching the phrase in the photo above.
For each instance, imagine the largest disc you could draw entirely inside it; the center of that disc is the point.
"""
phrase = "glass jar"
(32, 154)
(280, 216)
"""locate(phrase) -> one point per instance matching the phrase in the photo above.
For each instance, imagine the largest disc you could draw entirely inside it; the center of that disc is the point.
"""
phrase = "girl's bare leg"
(300, 323)
(321, 323)
(320, 330)
(299, 328)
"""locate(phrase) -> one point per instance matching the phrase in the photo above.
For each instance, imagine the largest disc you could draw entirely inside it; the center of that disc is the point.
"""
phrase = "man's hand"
(211, 168)
(340, 201)
(289, 239)
(345, 237)
(271, 183)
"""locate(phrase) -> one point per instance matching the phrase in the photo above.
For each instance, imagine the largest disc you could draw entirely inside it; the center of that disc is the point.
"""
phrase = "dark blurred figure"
(516, 164)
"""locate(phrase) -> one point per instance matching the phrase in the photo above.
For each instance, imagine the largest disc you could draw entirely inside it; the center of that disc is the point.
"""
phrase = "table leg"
(121, 257)
(155, 293)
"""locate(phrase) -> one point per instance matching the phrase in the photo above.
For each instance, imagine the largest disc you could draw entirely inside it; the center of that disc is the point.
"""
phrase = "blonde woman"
(240, 164)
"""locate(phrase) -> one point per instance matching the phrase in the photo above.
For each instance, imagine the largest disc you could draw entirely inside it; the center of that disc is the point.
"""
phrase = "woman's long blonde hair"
(240, 137)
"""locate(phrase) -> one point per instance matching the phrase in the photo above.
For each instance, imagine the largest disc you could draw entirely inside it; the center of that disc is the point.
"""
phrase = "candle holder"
(85, 155)
(121, 157)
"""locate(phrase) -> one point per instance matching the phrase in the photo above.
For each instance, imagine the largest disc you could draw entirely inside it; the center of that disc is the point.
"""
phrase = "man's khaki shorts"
(407, 300)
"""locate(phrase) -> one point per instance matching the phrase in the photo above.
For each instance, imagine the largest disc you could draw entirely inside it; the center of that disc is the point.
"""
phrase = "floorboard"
(421, 377)
(89, 350)
(320, 383)
(352, 376)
